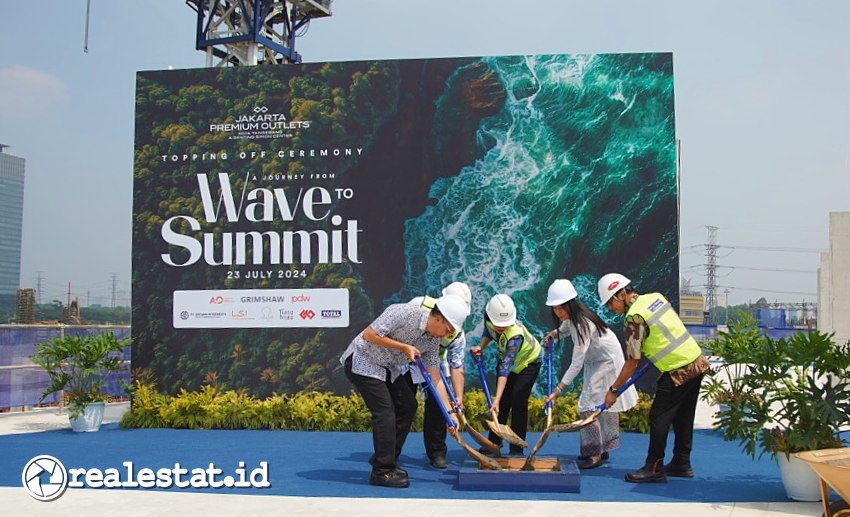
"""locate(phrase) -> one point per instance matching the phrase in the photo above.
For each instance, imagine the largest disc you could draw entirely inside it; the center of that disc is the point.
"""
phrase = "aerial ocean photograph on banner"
(277, 211)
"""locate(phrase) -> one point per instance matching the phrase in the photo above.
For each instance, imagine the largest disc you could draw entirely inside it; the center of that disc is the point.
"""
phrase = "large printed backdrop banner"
(279, 209)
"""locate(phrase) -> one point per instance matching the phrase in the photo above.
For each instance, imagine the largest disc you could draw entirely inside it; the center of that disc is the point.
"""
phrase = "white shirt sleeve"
(577, 363)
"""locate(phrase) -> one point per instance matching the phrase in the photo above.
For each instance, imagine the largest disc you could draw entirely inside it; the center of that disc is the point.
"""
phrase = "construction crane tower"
(253, 32)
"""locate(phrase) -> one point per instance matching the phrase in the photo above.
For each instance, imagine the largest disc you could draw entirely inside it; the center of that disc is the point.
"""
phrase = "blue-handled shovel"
(549, 408)
(478, 437)
(499, 429)
(483, 461)
(597, 410)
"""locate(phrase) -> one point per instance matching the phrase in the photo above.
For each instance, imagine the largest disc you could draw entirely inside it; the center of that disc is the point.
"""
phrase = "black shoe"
(400, 470)
(485, 451)
(651, 473)
(590, 463)
(439, 462)
(585, 458)
(391, 479)
(678, 471)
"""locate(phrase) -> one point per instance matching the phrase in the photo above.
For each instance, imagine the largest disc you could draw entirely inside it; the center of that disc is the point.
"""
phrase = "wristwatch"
(613, 390)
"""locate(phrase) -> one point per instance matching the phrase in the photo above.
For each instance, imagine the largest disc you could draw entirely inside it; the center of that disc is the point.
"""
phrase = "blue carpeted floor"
(335, 464)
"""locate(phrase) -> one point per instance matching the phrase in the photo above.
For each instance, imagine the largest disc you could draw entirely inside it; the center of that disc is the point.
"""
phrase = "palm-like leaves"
(780, 395)
(78, 365)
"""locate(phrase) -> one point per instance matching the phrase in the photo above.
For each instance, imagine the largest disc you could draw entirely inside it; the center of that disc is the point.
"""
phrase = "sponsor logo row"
(224, 300)
(266, 314)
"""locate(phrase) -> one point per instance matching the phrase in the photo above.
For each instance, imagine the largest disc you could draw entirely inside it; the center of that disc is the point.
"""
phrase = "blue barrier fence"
(703, 333)
(21, 382)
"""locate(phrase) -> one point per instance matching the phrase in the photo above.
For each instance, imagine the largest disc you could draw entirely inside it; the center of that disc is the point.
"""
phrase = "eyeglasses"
(449, 328)
(610, 302)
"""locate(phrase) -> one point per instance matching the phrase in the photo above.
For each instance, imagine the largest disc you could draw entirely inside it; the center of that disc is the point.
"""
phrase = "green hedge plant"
(212, 407)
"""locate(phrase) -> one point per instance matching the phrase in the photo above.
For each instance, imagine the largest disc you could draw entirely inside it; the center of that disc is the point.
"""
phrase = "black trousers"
(433, 428)
(393, 407)
(514, 403)
(674, 406)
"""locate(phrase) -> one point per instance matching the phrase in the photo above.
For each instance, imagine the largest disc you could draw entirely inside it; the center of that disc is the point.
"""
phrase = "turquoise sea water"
(576, 177)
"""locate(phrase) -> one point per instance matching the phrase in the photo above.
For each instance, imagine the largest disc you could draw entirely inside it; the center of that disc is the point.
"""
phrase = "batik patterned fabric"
(602, 435)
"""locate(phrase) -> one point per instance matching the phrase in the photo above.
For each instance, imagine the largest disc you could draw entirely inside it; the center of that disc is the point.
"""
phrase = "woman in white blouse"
(598, 352)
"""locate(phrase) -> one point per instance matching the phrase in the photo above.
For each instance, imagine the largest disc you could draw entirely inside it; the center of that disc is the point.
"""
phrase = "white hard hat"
(610, 284)
(462, 290)
(453, 308)
(561, 291)
(501, 310)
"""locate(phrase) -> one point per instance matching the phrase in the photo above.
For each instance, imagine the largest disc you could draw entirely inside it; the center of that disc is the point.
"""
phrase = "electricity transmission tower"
(114, 287)
(39, 287)
(711, 269)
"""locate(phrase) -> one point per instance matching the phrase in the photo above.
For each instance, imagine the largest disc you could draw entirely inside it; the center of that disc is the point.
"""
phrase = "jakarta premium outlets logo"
(260, 123)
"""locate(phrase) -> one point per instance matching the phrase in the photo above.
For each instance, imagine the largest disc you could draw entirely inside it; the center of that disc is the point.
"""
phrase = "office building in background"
(11, 223)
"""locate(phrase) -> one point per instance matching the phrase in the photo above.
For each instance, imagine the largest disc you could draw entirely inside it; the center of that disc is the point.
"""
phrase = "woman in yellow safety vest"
(519, 364)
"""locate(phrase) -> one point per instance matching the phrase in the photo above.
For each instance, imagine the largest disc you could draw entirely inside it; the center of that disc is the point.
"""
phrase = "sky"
(762, 99)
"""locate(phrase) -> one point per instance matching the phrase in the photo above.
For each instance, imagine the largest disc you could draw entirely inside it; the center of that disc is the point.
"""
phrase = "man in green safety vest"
(451, 357)
(654, 330)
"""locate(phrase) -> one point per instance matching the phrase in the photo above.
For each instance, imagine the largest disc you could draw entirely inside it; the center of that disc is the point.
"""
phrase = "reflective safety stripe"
(668, 345)
(655, 319)
(674, 344)
(528, 352)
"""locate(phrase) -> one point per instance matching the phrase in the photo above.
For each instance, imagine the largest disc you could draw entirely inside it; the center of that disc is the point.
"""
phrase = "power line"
(748, 268)
(765, 290)
(775, 248)
(785, 249)
(716, 274)
(777, 270)
(714, 270)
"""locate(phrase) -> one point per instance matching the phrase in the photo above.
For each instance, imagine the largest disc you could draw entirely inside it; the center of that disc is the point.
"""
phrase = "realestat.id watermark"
(45, 478)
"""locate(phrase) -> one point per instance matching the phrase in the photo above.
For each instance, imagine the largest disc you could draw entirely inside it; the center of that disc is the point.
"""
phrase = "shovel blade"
(578, 424)
(480, 438)
(483, 461)
(506, 433)
(529, 461)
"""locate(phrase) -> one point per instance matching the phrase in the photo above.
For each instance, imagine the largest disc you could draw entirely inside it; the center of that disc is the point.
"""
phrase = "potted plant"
(781, 396)
(77, 367)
